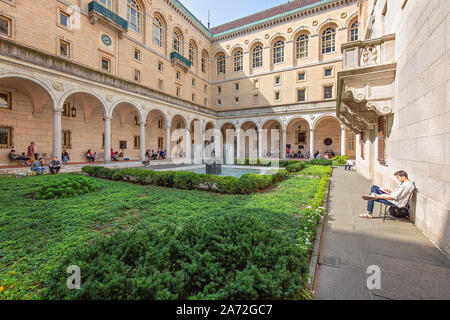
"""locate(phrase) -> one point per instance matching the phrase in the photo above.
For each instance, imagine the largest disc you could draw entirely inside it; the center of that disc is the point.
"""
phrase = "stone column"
(283, 143)
(168, 155)
(57, 134)
(108, 139)
(260, 144)
(142, 140)
(311, 143)
(238, 143)
(202, 145)
(343, 141)
(188, 157)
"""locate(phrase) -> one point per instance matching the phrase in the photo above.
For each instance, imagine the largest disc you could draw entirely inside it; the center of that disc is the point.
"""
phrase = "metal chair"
(385, 207)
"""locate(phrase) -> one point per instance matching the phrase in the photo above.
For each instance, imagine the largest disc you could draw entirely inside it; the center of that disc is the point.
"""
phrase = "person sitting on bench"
(55, 165)
(15, 157)
(399, 197)
(349, 165)
(90, 156)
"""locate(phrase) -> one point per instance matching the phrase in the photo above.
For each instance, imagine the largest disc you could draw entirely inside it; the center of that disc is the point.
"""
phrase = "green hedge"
(321, 162)
(248, 183)
(340, 160)
(295, 167)
(215, 257)
(65, 187)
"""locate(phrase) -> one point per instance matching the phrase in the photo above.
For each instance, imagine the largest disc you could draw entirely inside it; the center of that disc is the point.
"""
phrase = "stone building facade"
(133, 75)
(393, 91)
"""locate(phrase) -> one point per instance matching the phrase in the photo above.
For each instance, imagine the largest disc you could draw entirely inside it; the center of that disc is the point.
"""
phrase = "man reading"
(399, 197)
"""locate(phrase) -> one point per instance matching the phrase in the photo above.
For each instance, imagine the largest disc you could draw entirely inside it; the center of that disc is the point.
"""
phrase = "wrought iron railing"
(176, 56)
(97, 7)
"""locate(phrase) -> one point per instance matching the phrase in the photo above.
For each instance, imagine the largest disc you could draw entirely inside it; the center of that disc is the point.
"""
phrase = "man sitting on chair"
(399, 197)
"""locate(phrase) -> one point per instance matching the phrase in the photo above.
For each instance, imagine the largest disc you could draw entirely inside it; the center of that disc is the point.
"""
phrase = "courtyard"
(37, 235)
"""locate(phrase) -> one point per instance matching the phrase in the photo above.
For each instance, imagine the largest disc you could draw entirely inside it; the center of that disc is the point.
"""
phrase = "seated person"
(90, 156)
(65, 156)
(114, 155)
(55, 165)
(299, 154)
(154, 155)
(399, 197)
(38, 166)
(14, 156)
(349, 164)
(146, 161)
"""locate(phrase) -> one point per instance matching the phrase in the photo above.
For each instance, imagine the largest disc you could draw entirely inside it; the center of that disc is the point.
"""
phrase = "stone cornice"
(282, 18)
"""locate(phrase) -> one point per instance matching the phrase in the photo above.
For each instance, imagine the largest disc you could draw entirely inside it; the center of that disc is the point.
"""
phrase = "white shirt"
(401, 194)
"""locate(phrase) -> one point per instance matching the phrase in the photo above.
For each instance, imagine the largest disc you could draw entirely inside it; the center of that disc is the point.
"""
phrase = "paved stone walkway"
(411, 266)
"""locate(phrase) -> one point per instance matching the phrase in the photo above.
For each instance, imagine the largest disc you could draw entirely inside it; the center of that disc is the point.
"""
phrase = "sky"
(223, 11)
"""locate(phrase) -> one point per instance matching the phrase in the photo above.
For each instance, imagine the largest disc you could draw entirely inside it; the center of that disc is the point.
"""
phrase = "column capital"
(142, 123)
(107, 118)
(58, 111)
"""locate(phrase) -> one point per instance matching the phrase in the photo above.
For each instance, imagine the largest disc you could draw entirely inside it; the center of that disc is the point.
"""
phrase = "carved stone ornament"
(246, 41)
(315, 23)
(379, 108)
(109, 98)
(228, 47)
(59, 86)
(355, 94)
(289, 30)
(344, 15)
(267, 36)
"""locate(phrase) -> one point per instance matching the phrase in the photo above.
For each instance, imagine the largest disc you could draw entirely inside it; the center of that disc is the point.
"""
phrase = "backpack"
(398, 212)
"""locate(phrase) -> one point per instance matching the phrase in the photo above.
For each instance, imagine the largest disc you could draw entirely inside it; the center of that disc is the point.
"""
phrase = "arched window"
(176, 44)
(354, 31)
(106, 3)
(192, 53)
(204, 61)
(157, 32)
(329, 40)
(134, 16)
(301, 47)
(278, 52)
(221, 65)
(257, 56)
(238, 61)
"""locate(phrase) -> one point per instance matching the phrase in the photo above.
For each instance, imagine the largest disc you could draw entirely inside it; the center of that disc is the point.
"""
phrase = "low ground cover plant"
(235, 256)
(65, 187)
(36, 235)
(248, 183)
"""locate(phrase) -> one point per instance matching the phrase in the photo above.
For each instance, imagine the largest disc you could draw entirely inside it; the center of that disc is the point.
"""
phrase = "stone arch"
(180, 116)
(327, 126)
(235, 48)
(41, 92)
(165, 116)
(99, 99)
(328, 23)
(350, 19)
(299, 31)
(322, 117)
(293, 119)
(254, 43)
(276, 37)
(127, 102)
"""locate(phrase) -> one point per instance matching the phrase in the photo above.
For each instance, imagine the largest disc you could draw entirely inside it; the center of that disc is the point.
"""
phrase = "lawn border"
(314, 260)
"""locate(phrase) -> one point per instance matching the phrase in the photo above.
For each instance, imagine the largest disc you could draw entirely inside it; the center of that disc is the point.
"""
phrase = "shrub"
(164, 178)
(186, 180)
(215, 257)
(295, 167)
(340, 160)
(67, 187)
(248, 183)
(321, 162)
(227, 185)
